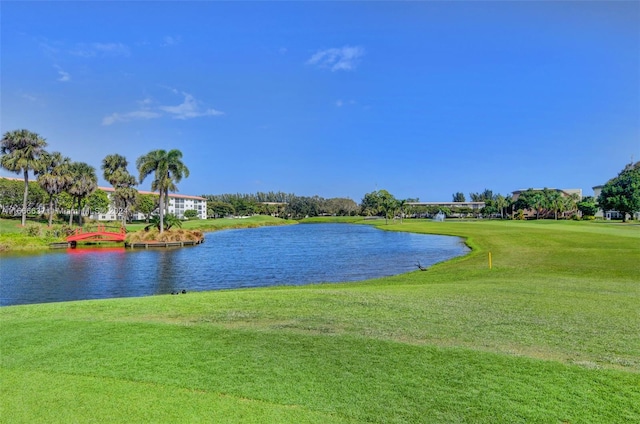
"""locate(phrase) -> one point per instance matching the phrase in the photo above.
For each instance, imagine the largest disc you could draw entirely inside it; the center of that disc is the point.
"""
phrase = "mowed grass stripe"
(342, 376)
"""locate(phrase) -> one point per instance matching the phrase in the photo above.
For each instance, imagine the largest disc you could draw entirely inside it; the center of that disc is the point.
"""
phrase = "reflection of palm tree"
(54, 178)
(168, 170)
(84, 183)
(21, 151)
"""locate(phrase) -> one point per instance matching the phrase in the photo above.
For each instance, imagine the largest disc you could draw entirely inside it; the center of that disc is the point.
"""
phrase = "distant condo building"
(178, 204)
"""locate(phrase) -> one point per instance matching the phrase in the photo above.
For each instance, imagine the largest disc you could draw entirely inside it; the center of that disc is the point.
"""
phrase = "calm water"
(267, 256)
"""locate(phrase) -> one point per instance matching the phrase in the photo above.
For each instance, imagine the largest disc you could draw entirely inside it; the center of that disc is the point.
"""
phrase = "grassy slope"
(550, 334)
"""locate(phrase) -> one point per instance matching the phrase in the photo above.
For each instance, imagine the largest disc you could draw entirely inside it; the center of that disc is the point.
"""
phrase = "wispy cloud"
(101, 50)
(189, 108)
(171, 41)
(344, 58)
(63, 76)
(148, 109)
(130, 116)
(340, 103)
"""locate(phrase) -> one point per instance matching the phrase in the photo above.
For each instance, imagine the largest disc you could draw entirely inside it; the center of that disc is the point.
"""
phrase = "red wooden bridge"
(101, 233)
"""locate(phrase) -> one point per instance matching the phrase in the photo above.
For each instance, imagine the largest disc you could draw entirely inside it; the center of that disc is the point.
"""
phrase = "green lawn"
(551, 334)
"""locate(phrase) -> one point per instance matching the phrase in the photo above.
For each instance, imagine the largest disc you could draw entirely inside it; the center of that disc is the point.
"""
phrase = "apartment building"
(178, 204)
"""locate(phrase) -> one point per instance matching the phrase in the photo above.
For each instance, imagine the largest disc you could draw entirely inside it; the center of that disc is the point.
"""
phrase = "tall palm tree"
(168, 170)
(401, 205)
(21, 152)
(54, 177)
(115, 171)
(554, 202)
(85, 182)
(501, 204)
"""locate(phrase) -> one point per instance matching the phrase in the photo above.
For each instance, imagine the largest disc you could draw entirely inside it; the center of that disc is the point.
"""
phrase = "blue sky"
(336, 99)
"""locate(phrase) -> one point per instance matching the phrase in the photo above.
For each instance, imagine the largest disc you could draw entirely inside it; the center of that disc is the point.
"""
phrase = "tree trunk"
(24, 199)
(79, 212)
(50, 210)
(161, 211)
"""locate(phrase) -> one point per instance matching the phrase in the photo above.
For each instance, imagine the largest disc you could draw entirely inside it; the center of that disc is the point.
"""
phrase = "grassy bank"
(550, 334)
(37, 236)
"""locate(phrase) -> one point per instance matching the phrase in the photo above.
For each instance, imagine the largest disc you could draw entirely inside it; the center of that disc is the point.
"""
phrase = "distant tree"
(340, 206)
(370, 204)
(146, 204)
(168, 170)
(459, 197)
(54, 177)
(219, 209)
(401, 204)
(622, 193)
(11, 196)
(388, 204)
(98, 202)
(531, 199)
(21, 151)
(85, 182)
(301, 207)
(554, 201)
(191, 214)
(588, 206)
(501, 203)
(482, 197)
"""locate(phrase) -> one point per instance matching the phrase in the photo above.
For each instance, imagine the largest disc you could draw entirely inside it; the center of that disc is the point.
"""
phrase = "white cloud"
(338, 59)
(62, 75)
(339, 103)
(188, 109)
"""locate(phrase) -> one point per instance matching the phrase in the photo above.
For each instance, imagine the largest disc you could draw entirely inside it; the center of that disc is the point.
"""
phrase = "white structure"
(178, 204)
(608, 214)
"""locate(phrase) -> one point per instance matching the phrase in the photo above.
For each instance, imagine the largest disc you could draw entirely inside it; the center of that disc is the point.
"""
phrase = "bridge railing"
(100, 228)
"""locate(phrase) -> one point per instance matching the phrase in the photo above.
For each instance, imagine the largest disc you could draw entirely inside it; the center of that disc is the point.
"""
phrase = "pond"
(228, 259)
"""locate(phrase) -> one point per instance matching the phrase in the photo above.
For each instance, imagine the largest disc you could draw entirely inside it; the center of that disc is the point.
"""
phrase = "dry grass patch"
(167, 236)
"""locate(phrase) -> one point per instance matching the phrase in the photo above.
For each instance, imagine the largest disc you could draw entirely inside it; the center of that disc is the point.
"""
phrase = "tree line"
(64, 184)
(71, 185)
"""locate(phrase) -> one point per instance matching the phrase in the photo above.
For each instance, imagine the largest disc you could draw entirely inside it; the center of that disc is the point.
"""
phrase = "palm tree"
(401, 205)
(554, 202)
(501, 204)
(85, 182)
(115, 171)
(168, 170)
(54, 178)
(21, 152)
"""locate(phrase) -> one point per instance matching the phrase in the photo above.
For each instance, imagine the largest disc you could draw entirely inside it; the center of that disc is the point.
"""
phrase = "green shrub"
(32, 230)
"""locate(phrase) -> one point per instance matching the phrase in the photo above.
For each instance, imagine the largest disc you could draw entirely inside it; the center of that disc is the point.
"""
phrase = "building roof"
(171, 195)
